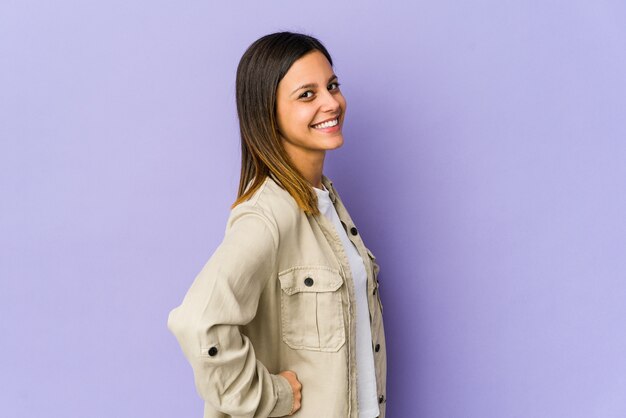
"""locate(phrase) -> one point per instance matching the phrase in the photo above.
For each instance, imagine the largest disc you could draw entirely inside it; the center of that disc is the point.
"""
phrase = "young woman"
(285, 317)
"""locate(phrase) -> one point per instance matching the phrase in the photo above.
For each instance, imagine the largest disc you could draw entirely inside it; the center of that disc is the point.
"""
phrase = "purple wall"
(485, 164)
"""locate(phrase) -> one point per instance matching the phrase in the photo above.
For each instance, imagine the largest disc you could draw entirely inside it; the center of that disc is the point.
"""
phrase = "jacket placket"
(335, 243)
(347, 223)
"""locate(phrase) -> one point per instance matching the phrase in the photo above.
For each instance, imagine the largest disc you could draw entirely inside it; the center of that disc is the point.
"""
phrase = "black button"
(354, 231)
(377, 348)
(308, 281)
(212, 351)
(381, 398)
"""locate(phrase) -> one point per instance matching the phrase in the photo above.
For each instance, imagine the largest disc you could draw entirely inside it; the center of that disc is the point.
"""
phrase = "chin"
(335, 143)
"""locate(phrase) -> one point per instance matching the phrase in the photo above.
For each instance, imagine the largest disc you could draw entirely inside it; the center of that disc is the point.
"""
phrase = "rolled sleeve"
(284, 404)
(224, 296)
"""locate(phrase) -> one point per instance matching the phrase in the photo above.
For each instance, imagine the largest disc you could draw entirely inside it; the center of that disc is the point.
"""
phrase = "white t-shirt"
(366, 377)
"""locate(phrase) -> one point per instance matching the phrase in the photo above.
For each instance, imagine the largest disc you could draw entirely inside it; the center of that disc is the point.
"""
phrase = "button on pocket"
(311, 308)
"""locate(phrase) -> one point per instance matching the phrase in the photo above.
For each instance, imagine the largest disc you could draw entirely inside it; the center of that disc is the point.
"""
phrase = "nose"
(330, 103)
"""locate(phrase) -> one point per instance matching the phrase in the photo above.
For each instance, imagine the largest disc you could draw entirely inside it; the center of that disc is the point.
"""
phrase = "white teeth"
(327, 124)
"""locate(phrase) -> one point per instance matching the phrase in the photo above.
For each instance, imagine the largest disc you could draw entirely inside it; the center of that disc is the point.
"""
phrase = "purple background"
(484, 163)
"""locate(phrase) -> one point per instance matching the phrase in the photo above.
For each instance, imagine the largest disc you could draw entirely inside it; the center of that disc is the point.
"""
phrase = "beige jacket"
(277, 294)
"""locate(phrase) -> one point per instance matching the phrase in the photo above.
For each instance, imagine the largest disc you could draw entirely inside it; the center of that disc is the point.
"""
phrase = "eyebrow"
(310, 85)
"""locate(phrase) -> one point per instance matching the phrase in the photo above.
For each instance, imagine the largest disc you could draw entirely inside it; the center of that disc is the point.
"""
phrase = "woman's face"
(310, 107)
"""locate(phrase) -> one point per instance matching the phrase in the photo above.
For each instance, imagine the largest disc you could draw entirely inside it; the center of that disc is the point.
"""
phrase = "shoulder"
(271, 199)
(271, 203)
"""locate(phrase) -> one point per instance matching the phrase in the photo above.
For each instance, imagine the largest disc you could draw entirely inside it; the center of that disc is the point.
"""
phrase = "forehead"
(310, 68)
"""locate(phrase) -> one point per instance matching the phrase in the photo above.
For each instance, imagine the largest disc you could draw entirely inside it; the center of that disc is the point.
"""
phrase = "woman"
(285, 316)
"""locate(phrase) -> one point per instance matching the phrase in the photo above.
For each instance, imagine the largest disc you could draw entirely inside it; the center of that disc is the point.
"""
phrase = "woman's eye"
(336, 84)
(306, 95)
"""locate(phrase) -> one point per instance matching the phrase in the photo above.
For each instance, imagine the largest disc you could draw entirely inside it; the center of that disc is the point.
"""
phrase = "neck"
(310, 163)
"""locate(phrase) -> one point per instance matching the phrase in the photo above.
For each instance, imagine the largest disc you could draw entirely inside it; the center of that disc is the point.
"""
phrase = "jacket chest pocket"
(311, 308)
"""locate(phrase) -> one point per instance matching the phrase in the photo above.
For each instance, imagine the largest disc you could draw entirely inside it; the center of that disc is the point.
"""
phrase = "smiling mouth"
(327, 124)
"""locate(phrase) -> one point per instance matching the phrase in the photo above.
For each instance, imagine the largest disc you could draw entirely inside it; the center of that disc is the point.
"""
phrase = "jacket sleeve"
(224, 295)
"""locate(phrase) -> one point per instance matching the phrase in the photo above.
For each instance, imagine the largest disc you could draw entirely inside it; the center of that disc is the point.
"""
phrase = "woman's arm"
(224, 295)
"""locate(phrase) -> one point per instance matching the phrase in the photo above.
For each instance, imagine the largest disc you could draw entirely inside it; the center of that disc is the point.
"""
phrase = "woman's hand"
(296, 386)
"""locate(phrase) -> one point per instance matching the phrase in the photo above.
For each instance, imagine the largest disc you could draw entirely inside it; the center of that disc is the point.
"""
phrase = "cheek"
(342, 102)
(298, 119)
(283, 118)
(305, 117)
(294, 120)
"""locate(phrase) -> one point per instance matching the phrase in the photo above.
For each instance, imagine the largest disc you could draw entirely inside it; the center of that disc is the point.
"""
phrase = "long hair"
(260, 69)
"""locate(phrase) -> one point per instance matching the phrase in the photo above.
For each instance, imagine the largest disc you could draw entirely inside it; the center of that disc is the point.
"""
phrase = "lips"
(328, 123)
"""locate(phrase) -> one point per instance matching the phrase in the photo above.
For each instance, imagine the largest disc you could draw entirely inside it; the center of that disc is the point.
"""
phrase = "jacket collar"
(329, 186)
(325, 180)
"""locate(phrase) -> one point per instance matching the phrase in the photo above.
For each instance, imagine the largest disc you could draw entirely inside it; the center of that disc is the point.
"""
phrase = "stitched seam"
(304, 267)
(293, 345)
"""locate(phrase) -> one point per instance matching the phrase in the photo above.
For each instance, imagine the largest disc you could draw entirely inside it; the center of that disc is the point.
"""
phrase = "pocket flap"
(310, 279)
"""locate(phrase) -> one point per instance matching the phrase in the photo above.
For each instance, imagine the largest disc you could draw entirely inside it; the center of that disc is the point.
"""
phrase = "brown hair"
(260, 69)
